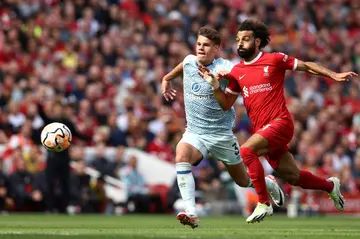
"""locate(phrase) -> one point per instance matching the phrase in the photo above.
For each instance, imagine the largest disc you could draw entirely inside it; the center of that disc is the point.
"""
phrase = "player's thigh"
(288, 169)
(224, 148)
(275, 136)
(239, 174)
(227, 150)
(190, 149)
(186, 152)
(257, 143)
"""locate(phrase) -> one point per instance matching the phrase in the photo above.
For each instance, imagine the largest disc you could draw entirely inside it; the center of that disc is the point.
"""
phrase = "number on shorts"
(265, 127)
(236, 148)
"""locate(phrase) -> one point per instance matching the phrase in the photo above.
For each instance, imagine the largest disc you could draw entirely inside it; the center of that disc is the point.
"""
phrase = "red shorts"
(278, 133)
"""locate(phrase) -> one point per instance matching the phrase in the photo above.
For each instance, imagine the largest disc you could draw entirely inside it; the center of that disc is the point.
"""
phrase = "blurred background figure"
(57, 171)
(140, 196)
(5, 187)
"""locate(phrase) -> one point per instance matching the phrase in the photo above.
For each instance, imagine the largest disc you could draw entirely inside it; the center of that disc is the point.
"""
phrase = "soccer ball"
(56, 137)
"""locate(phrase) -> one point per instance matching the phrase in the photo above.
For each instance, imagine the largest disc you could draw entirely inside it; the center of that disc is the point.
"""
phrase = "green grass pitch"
(166, 226)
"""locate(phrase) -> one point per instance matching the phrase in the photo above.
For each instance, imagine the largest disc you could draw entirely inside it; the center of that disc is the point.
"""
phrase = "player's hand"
(167, 91)
(9, 202)
(3, 192)
(345, 76)
(223, 74)
(37, 196)
(209, 77)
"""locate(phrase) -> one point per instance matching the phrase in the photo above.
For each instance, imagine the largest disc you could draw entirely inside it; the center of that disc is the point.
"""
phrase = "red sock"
(308, 180)
(256, 173)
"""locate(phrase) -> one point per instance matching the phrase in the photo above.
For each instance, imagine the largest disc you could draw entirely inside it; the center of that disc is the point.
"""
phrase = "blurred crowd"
(99, 64)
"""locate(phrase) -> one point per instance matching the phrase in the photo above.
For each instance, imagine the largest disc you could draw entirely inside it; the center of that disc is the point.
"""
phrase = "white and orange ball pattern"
(56, 137)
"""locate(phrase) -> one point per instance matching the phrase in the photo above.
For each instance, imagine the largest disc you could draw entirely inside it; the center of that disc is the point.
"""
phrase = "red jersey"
(261, 83)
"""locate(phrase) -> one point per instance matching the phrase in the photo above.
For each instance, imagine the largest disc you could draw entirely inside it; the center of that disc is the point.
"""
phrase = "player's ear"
(217, 47)
(257, 42)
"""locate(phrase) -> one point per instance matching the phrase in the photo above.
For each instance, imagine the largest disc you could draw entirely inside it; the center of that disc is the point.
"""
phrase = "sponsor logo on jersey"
(245, 91)
(192, 96)
(195, 87)
(256, 89)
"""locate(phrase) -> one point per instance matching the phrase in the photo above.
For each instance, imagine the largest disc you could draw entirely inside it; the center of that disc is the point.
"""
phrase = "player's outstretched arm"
(317, 69)
(166, 87)
(226, 101)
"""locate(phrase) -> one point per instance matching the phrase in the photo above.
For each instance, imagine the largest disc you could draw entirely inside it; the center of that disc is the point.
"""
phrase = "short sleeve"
(285, 62)
(188, 59)
(233, 86)
(222, 65)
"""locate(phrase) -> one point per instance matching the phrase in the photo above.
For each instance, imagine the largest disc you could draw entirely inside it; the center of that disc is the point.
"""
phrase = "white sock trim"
(183, 168)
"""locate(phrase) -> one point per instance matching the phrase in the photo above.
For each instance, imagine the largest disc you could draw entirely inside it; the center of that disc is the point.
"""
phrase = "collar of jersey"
(253, 60)
(197, 64)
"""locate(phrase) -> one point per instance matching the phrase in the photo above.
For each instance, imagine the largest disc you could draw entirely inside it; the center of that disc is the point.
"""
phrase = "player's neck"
(206, 63)
(254, 57)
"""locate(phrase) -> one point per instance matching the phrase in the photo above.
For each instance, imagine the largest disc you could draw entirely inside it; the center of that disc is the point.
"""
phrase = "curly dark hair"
(259, 29)
(210, 33)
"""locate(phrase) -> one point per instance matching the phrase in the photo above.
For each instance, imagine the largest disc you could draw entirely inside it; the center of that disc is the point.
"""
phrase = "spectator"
(117, 137)
(39, 190)
(20, 142)
(100, 163)
(116, 167)
(4, 191)
(80, 188)
(161, 147)
(356, 168)
(21, 185)
(140, 196)
(87, 196)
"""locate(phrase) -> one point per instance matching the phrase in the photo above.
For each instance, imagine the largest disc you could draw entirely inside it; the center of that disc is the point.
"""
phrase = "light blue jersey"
(203, 113)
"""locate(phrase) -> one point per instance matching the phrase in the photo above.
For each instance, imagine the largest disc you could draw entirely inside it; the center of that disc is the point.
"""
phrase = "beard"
(246, 53)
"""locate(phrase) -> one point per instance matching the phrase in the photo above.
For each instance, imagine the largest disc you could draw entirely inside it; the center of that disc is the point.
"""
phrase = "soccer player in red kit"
(260, 80)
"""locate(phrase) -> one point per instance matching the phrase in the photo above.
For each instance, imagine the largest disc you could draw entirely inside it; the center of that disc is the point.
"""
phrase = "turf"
(155, 226)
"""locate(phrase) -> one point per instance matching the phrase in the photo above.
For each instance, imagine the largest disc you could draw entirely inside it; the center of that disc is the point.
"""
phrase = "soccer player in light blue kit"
(209, 128)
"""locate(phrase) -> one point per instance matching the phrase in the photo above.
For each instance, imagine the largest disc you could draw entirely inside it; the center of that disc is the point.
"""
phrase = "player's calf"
(256, 173)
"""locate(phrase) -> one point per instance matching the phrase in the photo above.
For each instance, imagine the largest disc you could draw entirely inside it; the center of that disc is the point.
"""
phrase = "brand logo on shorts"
(195, 87)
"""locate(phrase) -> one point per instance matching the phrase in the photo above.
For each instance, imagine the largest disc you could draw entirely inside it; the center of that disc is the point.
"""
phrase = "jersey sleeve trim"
(232, 92)
(295, 64)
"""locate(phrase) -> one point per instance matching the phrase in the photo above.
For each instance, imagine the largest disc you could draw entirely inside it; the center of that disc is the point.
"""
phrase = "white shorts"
(222, 147)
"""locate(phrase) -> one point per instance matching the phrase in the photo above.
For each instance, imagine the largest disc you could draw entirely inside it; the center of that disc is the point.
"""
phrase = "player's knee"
(292, 181)
(243, 182)
(247, 154)
(182, 159)
(246, 151)
(291, 178)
